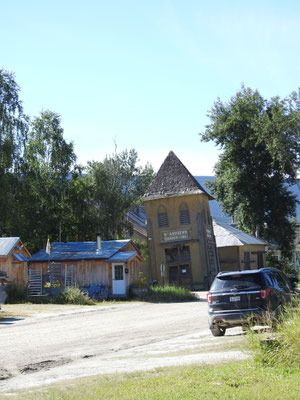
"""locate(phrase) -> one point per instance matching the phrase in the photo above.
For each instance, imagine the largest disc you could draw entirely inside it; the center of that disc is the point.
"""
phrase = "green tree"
(117, 184)
(280, 131)
(250, 176)
(13, 135)
(49, 160)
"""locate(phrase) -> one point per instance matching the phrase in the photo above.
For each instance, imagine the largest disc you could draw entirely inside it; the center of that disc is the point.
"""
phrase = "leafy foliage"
(250, 175)
(73, 295)
(13, 134)
(116, 185)
(49, 160)
(284, 264)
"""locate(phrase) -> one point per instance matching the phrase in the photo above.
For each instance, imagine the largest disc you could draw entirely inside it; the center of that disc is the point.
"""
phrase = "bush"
(168, 294)
(283, 347)
(73, 295)
(284, 264)
(16, 293)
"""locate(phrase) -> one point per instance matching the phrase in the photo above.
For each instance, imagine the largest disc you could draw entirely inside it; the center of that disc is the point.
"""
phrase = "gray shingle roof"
(173, 179)
(227, 235)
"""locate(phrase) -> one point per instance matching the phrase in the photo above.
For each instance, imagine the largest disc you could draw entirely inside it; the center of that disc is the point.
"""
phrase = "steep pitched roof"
(173, 179)
(80, 250)
(7, 244)
(227, 235)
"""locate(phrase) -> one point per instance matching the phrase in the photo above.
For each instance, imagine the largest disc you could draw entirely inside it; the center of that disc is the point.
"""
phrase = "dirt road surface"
(120, 338)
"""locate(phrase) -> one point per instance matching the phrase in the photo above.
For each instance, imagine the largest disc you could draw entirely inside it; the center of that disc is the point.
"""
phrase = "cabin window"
(132, 269)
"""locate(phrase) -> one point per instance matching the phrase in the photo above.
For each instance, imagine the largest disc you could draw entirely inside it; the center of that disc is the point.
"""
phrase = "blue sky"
(144, 74)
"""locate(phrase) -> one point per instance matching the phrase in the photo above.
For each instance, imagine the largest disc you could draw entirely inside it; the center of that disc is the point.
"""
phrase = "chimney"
(98, 242)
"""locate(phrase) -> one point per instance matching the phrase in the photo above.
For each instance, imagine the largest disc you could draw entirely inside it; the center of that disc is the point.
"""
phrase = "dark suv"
(242, 298)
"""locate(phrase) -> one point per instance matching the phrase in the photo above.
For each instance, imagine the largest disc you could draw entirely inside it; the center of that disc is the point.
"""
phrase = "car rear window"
(237, 281)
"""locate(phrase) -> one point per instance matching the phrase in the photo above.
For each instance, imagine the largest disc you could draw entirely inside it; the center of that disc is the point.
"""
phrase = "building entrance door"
(180, 275)
(119, 284)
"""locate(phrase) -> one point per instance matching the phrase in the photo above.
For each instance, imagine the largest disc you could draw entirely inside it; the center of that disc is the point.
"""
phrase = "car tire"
(217, 331)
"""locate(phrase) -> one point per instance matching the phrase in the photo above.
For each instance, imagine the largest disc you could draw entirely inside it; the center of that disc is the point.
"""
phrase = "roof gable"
(173, 179)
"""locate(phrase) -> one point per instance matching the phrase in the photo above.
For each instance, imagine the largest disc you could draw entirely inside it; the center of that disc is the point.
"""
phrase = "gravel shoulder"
(71, 342)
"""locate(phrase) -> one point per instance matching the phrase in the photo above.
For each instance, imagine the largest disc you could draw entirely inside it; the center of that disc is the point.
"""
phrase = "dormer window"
(184, 215)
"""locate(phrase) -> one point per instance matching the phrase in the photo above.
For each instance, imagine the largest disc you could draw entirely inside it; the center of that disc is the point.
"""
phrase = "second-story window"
(184, 216)
(163, 219)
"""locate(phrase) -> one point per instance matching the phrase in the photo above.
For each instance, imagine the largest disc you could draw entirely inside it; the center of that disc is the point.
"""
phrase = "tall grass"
(168, 294)
(280, 348)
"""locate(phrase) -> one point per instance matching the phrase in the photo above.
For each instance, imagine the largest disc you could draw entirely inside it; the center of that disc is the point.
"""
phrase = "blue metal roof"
(20, 257)
(7, 244)
(80, 250)
(122, 256)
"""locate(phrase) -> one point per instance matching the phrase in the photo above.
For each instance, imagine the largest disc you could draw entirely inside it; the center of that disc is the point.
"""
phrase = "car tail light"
(264, 293)
(209, 298)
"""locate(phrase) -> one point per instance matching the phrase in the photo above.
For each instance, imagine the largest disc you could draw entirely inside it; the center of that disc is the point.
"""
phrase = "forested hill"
(216, 209)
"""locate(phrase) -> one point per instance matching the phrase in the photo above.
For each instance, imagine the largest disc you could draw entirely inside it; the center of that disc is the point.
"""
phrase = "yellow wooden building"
(237, 250)
(179, 228)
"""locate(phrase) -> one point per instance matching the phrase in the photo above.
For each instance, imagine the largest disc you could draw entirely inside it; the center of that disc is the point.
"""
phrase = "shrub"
(285, 264)
(140, 283)
(73, 295)
(16, 293)
(168, 294)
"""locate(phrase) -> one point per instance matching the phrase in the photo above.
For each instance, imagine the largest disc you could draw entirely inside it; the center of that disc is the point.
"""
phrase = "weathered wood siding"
(16, 271)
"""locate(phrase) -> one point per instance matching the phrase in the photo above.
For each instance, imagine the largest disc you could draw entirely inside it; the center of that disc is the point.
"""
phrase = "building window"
(247, 260)
(163, 219)
(185, 217)
(132, 269)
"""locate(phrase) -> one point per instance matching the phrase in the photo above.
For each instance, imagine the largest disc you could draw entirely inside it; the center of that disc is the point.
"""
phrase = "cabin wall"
(88, 273)
(16, 271)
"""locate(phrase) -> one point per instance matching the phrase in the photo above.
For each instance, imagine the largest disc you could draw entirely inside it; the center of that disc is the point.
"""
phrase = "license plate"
(235, 298)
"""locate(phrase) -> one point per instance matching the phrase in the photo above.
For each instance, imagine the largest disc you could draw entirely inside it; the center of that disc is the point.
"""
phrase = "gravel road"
(120, 338)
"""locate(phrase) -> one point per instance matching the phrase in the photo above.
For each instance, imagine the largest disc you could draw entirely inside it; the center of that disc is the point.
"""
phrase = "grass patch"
(238, 380)
(169, 294)
(280, 348)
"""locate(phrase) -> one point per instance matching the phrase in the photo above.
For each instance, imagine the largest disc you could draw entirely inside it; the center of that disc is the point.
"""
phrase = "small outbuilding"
(107, 267)
(237, 250)
(13, 259)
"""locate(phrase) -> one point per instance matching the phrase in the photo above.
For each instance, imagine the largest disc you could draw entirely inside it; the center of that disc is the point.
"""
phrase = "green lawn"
(236, 380)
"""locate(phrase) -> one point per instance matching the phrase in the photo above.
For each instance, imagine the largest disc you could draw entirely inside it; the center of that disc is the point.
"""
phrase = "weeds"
(73, 295)
(168, 294)
(280, 348)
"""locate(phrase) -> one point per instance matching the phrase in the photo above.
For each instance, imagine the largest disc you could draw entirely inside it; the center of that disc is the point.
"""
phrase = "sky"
(144, 74)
